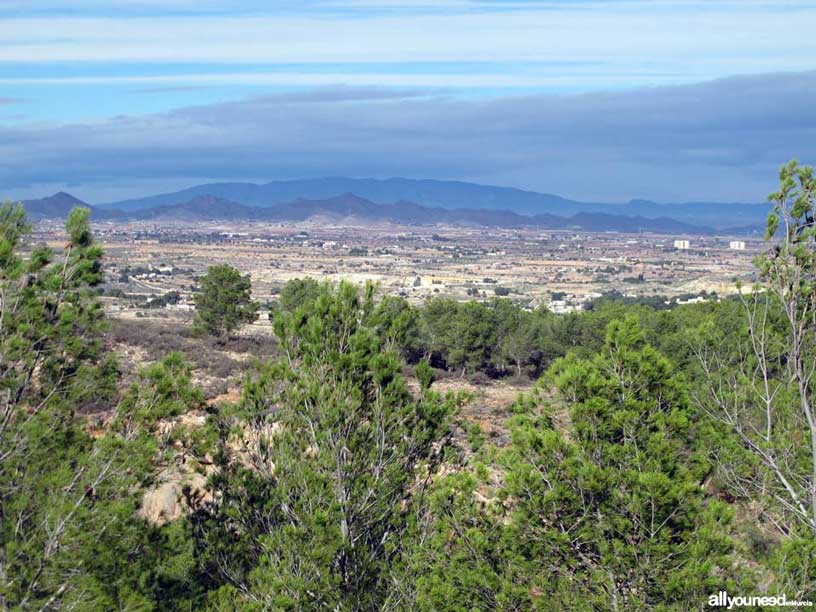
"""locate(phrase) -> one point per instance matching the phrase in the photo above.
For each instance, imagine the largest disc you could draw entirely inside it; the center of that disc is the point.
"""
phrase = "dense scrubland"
(654, 456)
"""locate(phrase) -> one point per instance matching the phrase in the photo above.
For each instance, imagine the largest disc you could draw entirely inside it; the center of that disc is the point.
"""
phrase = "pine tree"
(318, 468)
(67, 500)
(224, 302)
(609, 515)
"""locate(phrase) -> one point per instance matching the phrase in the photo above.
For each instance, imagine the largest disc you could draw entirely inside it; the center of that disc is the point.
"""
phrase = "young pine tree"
(67, 500)
(318, 468)
(224, 302)
(609, 515)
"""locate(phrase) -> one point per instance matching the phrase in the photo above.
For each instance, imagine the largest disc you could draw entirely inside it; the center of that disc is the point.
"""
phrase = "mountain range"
(415, 202)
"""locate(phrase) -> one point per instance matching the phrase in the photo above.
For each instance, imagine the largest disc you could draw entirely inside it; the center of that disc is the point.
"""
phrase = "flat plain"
(561, 270)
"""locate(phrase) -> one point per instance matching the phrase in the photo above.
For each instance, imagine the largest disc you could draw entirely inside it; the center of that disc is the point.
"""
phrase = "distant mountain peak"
(53, 206)
(444, 194)
(61, 196)
(400, 199)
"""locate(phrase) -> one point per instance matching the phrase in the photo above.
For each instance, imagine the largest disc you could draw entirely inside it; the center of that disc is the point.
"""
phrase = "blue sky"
(666, 99)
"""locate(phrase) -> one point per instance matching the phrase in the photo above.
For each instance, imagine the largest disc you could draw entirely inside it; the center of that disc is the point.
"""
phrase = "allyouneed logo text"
(724, 600)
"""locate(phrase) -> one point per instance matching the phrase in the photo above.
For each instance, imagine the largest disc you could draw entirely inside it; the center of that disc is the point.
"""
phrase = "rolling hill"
(451, 195)
(55, 206)
(351, 207)
(412, 202)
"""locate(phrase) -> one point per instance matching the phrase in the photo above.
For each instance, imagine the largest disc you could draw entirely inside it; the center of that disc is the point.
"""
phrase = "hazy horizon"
(591, 100)
(138, 193)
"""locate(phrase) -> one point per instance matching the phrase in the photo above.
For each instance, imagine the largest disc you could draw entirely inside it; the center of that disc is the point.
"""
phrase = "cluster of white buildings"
(734, 245)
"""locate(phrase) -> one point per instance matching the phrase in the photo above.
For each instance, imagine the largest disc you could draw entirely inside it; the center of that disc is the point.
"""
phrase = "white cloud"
(593, 79)
(719, 140)
(754, 36)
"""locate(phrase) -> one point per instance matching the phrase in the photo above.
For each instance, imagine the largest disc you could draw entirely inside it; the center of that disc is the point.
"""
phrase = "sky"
(670, 100)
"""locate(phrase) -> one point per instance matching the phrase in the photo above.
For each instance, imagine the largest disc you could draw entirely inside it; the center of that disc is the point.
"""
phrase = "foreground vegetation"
(661, 456)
